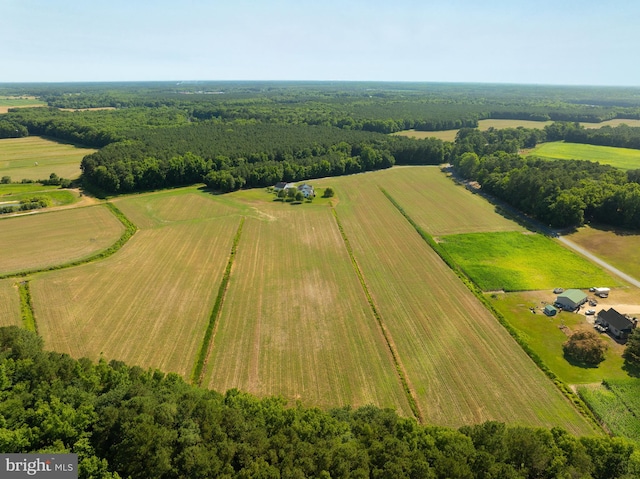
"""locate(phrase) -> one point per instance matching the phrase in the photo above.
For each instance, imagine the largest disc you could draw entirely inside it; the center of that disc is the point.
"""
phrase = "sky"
(558, 42)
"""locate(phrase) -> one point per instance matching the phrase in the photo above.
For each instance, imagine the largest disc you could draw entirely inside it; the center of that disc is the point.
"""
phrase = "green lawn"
(514, 261)
(625, 158)
(13, 193)
(545, 338)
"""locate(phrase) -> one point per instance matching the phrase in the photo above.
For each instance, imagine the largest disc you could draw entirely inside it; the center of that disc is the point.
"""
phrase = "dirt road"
(600, 262)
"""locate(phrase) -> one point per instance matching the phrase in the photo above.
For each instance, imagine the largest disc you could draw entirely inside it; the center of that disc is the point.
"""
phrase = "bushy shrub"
(585, 347)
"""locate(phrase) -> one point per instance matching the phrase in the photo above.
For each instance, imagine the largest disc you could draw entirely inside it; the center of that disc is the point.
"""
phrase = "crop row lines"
(413, 403)
(207, 341)
(129, 231)
(574, 398)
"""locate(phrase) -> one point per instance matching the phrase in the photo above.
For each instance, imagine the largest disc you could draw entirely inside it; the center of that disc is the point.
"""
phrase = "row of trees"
(559, 193)
(127, 422)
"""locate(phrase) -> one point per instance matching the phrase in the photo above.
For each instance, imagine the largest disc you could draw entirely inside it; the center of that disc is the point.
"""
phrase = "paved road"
(597, 260)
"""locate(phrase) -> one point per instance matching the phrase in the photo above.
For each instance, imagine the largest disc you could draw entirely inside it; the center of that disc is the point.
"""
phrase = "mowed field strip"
(46, 239)
(35, 158)
(295, 320)
(9, 303)
(461, 363)
(149, 303)
(624, 158)
(439, 205)
(516, 261)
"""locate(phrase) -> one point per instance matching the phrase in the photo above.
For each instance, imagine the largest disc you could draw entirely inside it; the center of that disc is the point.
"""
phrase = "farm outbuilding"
(550, 310)
(282, 185)
(618, 324)
(571, 299)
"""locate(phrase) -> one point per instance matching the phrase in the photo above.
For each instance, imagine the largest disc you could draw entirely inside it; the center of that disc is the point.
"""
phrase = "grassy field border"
(413, 403)
(129, 231)
(26, 307)
(205, 349)
(573, 397)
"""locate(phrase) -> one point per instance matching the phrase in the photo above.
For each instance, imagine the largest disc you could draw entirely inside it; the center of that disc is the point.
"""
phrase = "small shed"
(571, 299)
(550, 310)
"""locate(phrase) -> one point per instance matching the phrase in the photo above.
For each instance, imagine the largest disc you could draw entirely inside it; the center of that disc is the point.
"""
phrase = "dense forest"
(128, 422)
(559, 193)
(231, 135)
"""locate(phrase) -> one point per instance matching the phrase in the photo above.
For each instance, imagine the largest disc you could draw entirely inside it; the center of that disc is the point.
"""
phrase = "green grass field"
(625, 158)
(543, 334)
(12, 194)
(514, 261)
(616, 403)
(51, 238)
(7, 102)
(9, 303)
(459, 361)
(438, 204)
(35, 158)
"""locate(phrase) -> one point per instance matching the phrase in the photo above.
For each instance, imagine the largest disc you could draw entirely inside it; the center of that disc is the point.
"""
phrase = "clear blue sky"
(508, 41)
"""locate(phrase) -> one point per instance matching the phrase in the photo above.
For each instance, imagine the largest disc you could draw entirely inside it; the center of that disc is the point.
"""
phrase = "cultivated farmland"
(483, 125)
(52, 238)
(617, 403)
(9, 303)
(35, 158)
(513, 261)
(438, 204)
(625, 158)
(7, 102)
(154, 298)
(295, 320)
(460, 364)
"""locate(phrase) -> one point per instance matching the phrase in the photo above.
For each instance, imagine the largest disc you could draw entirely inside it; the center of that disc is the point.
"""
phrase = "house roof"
(615, 319)
(574, 295)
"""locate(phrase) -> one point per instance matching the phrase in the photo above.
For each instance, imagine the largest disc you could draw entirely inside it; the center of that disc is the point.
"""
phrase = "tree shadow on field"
(613, 229)
(580, 364)
(633, 370)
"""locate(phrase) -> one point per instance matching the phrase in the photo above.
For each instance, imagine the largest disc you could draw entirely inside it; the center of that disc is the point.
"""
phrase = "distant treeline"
(251, 134)
(559, 193)
(124, 421)
(228, 156)
(368, 106)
